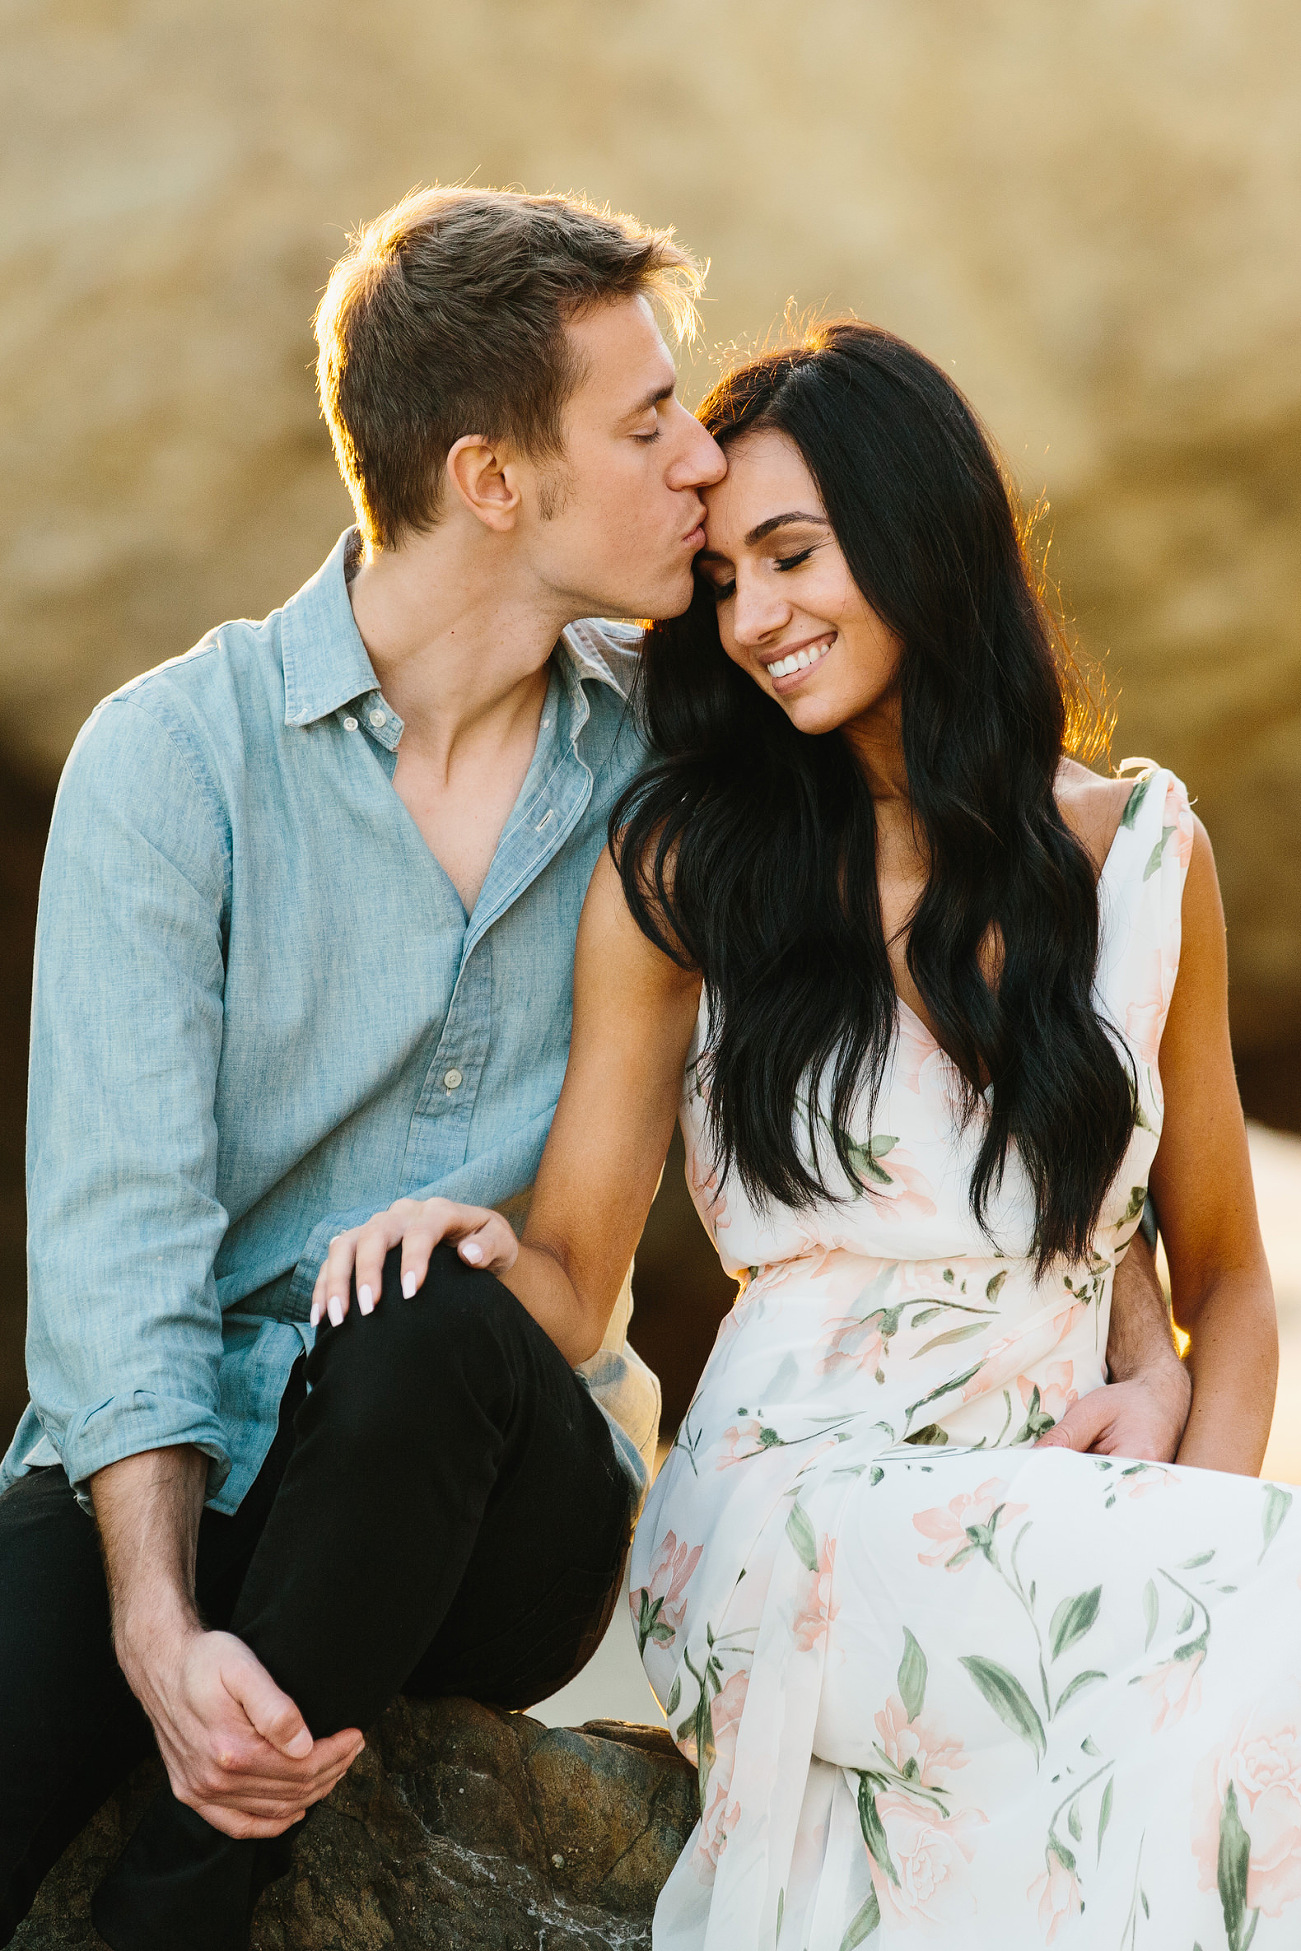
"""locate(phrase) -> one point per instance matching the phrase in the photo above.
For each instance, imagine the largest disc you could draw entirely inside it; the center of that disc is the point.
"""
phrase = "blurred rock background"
(1089, 214)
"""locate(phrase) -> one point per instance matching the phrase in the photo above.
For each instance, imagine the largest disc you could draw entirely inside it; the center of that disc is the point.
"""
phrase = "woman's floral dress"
(942, 1687)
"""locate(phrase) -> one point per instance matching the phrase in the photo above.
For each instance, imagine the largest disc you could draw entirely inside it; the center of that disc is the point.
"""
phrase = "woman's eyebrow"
(783, 521)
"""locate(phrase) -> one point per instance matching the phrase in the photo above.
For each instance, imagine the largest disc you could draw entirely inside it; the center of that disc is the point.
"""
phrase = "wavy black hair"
(747, 849)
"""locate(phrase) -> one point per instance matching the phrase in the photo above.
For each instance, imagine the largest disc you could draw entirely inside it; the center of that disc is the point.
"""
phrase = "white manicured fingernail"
(317, 1311)
(409, 1284)
(335, 1310)
(365, 1299)
(472, 1252)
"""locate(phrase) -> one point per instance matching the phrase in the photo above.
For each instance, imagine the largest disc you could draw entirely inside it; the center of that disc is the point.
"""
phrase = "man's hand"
(1143, 1419)
(1142, 1411)
(236, 1748)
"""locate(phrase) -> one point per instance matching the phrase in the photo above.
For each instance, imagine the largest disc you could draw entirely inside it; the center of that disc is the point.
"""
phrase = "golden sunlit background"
(1088, 212)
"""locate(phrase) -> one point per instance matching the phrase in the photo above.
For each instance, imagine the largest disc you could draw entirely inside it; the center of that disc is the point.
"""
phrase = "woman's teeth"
(799, 660)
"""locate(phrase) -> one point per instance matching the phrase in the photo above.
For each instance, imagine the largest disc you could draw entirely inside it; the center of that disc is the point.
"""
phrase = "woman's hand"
(483, 1239)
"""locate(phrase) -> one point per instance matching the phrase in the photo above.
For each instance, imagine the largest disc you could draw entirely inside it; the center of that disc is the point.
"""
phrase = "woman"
(919, 968)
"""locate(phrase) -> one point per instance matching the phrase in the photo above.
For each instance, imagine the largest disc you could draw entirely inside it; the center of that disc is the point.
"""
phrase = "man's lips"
(695, 537)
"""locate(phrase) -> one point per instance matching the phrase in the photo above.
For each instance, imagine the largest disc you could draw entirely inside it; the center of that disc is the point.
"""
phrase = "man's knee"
(461, 1334)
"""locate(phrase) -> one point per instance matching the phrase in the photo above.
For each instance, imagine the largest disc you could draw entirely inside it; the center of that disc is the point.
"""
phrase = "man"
(305, 945)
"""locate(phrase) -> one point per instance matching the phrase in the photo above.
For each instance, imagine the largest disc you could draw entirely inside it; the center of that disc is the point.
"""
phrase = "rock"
(460, 1828)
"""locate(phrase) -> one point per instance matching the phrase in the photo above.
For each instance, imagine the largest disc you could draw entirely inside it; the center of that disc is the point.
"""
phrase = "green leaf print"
(994, 1287)
(1278, 1502)
(864, 1158)
(801, 1534)
(930, 1436)
(1104, 1813)
(1234, 1859)
(1151, 1611)
(1009, 1700)
(964, 1333)
(675, 1696)
(865, 1922)
(1073, 1822)
(1077, 1686)
(1155, 857)
(1137, 795)
(1137, 1196)
(912, 1676)
(874, 1829)
(1073, 1619)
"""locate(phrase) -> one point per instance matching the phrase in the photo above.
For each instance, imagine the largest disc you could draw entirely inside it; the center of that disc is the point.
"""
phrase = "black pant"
(444, 1513)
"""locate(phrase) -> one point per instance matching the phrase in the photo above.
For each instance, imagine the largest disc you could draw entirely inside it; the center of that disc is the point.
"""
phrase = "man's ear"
(482, 476)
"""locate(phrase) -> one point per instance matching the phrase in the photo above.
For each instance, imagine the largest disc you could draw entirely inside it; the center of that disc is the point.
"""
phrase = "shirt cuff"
(128, 1425)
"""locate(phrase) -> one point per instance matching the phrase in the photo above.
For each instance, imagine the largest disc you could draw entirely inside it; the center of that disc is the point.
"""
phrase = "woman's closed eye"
(721, 591)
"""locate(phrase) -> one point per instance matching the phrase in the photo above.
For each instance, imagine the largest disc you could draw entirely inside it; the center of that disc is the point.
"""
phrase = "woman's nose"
(759, 612)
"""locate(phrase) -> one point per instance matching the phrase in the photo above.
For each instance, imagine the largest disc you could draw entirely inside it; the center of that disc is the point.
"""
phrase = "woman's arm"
(1201, 1181)
(634, 1012)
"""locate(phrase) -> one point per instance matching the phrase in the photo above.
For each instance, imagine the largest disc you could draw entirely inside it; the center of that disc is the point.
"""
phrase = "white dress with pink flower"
(942, 1687)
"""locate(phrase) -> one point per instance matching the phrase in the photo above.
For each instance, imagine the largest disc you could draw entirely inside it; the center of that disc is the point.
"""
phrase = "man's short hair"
(447, 317)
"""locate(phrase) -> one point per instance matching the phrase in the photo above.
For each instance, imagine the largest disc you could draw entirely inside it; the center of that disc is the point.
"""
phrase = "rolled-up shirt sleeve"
(124, 1223)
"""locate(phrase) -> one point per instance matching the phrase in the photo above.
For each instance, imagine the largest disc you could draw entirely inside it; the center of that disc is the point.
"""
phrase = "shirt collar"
(325, 660)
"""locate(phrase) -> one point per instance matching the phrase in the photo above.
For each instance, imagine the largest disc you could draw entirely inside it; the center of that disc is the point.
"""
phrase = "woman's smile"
(788, 668)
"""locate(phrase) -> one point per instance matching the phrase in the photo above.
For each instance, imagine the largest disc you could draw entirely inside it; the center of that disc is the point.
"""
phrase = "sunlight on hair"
(1090, 711)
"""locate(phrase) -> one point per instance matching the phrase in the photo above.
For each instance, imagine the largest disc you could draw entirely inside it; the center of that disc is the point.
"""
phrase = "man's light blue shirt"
(261, 1013)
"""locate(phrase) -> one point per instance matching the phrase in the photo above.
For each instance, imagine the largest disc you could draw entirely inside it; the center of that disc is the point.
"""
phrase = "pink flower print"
(659, 1606)
(725, 1711)
(850, 1343)
(1262, 1763)
(1146, 1013)
(915, 1198)
(1055, 1392)
(1174, 1687)
(816, 1608)
(948, 1524)
(711, 1200)
(1058, 1895)
(1140, 1478)
(930, 1857)
(914, 1747)
(741, 1442)
(1179, 815)
(722, 1811)
(716, 1825)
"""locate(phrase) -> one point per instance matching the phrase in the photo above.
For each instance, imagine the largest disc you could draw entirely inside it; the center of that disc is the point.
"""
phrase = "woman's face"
(789, 612)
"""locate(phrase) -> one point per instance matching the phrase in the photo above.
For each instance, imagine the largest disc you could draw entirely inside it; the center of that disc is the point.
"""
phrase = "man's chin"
(672, 599)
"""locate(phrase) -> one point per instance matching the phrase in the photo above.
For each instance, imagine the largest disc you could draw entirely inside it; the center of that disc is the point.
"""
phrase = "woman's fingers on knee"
(374, 1240)
(418, 1243)
(491, 1246)
(331, 1293)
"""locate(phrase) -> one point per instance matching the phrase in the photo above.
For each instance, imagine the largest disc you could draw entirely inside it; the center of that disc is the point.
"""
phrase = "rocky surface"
(459, 1829)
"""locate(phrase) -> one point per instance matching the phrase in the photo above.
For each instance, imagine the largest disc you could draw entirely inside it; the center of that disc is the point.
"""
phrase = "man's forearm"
(1139, 1339)
(147, 1508)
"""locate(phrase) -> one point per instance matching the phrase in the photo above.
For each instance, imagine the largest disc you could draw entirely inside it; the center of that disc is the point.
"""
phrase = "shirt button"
(378, 718)
(453, 1080)
(349, 724)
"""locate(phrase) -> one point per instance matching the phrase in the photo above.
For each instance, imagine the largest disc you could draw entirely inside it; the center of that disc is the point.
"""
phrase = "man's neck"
(459, 641)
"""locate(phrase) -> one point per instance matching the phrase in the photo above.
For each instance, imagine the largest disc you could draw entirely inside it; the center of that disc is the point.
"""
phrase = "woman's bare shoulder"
(1092, 807)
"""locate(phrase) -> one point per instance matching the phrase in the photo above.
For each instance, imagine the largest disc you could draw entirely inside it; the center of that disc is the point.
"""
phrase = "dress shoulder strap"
(1140, 898)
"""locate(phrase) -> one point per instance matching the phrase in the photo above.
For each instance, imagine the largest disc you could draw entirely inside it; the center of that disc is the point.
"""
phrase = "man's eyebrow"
(653, 398)
(775, 522)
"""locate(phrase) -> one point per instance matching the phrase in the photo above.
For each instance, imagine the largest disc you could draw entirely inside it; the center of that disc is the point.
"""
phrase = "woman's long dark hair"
(748, 849)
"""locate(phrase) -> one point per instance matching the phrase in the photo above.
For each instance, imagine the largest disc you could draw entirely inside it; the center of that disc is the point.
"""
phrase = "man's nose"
(702, 463)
